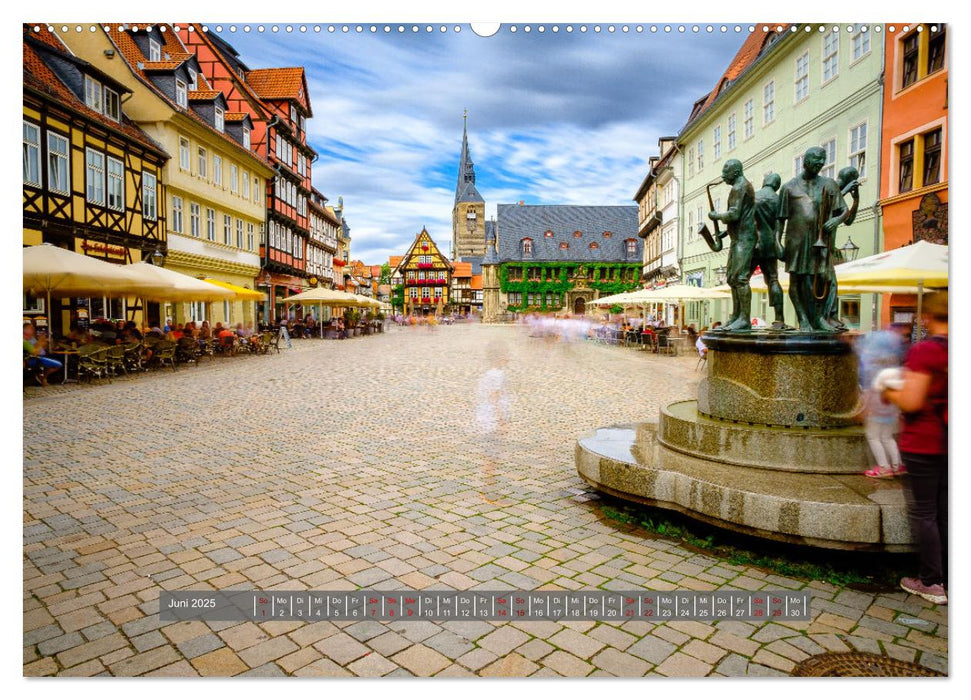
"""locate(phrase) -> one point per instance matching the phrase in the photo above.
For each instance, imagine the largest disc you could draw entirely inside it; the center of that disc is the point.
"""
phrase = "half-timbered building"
(92, 178)
(215, 183)
(426, 275)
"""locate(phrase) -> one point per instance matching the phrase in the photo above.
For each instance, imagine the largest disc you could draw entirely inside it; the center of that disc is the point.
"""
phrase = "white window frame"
(220, 119)
(246, 137)
(748, 119)
(860, 41)
(149, 196)
(249, 236)
(768, 103)
(217, 169)
(716, 143)
(185, 154)
(178, 224)
(691, 162)
(202, 162)
(154, 51)
(59, 162)
(112, 103)
(181, 94)
(115, 184)
(227, 229)
(732, 124)
(194, 219)
(233, 178)
(855, 149)
(244, 187)
(256, 189)
(802, 78)
(210, 224)
(32, 167)
(830, 61)
(797, 165)
(94, 177)
(829, 167)
(193, 79)
(93, 95)
(239, 233)
(701, 155)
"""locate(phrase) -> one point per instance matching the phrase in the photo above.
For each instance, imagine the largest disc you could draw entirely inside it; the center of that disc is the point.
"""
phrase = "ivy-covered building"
(558, 258)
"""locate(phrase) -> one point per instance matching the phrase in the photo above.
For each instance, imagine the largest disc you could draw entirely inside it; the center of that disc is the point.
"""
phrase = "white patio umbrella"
(326, 297)
(161, 284)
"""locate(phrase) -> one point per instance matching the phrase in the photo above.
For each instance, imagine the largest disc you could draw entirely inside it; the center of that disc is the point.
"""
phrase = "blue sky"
(564, 117)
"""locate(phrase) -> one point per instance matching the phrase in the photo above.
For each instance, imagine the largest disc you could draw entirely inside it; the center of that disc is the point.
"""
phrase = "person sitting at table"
(35, 354)
(205, 331)
(131, 334)
(76, 336)
(692, 333)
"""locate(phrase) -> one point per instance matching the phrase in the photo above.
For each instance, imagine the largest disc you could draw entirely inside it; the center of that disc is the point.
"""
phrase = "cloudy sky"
(564, 117)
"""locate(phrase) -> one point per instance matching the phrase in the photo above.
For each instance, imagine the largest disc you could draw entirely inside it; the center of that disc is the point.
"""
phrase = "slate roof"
(517, 222)
(476, 263)
(465, 190)
(38, 76)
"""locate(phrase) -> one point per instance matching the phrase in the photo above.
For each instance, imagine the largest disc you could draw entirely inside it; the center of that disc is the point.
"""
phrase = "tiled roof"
(161, 65)
(395, 260)
(39, 77)
(133, 56)
(517, 222)
(751, 49)
(476, 282)
(204, 94)
(235, 116)
(462, 269)
(276, 83)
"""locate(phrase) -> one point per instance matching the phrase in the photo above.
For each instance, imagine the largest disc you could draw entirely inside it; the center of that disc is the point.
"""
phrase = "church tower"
(468, 213)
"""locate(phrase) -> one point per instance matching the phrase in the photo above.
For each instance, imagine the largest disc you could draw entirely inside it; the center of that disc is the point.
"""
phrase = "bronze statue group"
(796, 224)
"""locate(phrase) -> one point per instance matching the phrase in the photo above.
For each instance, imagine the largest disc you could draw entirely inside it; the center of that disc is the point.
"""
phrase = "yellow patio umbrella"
(242, 293)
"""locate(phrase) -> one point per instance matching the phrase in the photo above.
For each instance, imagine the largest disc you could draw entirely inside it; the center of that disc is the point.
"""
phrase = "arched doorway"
(579, 306)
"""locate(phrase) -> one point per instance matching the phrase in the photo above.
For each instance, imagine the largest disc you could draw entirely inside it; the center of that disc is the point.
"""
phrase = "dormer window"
(220, 118)
(93, 95)
(154, 50)
(181, 94)
(548, 234)
(577, 234)
(631, 247)
(594, 245)
(527, 246)
(246, 138)
(112, 105)
(564, 245)
(607, 234)
(193, 79)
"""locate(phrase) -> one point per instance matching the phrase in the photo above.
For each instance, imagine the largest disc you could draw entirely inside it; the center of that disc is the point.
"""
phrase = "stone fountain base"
(798, 481)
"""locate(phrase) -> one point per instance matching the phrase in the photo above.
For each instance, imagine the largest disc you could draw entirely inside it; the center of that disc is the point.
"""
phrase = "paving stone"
(322, 668)
(652, 649)
(421, 660)
(619, 664)
(269, 670)
(141, 664)
(56, 645)
(567, 664)
(503, 640)
(477, 658)
(509, 666)
(197, 646)
(372, 666)
(577, 644)
(449, 644)
(265, 652)
(683, 666)
(341, 648)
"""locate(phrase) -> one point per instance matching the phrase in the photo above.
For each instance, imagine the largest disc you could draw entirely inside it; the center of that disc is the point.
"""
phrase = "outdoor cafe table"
(66, 352)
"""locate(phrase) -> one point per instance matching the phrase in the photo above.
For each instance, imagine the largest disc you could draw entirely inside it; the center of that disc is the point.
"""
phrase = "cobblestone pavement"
(346, 464)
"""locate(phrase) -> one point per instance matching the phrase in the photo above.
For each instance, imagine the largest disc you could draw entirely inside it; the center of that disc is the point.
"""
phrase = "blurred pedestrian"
(879, 351)
(923, 401)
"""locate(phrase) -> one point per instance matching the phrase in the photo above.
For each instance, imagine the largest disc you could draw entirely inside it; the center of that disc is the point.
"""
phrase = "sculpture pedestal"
(772, 447)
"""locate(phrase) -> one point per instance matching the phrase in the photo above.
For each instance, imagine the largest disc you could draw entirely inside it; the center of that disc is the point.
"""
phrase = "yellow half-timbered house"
(426, 275)
(92, 178)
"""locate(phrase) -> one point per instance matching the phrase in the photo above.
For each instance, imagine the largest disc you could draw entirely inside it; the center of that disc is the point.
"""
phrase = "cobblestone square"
(357, 463)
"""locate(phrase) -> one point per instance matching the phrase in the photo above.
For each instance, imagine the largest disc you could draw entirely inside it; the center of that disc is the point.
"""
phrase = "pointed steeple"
(465, 187)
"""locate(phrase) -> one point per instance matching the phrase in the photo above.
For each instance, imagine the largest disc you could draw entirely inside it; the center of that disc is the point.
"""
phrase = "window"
(31, 154)
(293, 114)
(116, 184)
(935, 49)
(691, 223)
(932, 158)
(831, 56)
(227, 229)
(691, 162)
(594, 245)
(177, 214)
(154, 50)
(210, 224)
(802, 77)
(184, 154)
(716, 143)
(220, 119)
(797, 165)
(245, 183)
(911, 51)
(239, 233)
(233, 178)
(246, 137)
(631, 247)
(768, 102)
(906, 180)
(149, 196)
(701, 155)
(112, 105)
(181, 94)
(203, 163)
(194, 219)
(95, 177)
(731, 131)
(217, 169)
(861, 45)
(858, 148)
(527, 246)
(193, 79)
(748, 119)
(92, 94)
(256, 189)
(249, 237)
(829, 168)
(58, 176)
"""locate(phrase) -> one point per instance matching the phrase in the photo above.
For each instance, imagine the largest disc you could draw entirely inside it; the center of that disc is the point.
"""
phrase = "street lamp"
(720, 274)
(849, 250)
(157, 258)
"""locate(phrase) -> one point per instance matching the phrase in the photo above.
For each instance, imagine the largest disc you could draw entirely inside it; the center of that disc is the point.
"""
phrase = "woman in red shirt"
(923, 445)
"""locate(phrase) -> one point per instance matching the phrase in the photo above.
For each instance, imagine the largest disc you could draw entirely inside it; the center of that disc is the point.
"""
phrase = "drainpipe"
(877, 209)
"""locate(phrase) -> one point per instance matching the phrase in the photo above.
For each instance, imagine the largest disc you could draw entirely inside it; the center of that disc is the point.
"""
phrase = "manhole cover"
(860, 665)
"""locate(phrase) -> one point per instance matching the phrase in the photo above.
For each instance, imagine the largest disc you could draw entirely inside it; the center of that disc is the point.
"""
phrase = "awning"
(242, 293)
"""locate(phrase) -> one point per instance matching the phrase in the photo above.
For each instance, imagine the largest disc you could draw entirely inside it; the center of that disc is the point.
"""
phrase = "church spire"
(465, 187)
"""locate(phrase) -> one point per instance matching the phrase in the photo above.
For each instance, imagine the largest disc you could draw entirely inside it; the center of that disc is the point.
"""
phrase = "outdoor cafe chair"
(164, 352)
(93, 362)
(115, 355)
(133, 357)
